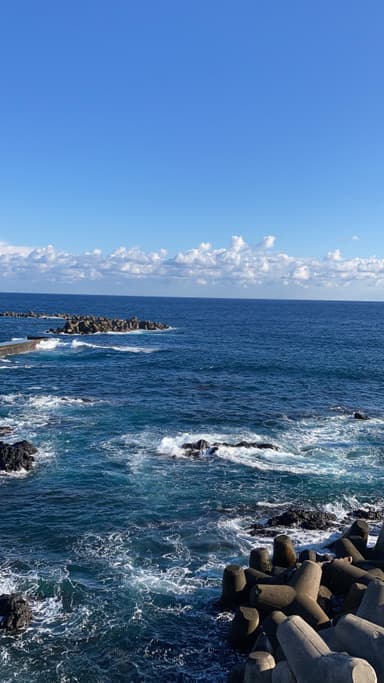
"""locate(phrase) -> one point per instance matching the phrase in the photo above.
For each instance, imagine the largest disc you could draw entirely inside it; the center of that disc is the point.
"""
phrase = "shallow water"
(117, 537)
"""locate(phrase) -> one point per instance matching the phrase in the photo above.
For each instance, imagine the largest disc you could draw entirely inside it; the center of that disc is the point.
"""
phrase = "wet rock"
(195, 448)
(200, 447)
(306, 519)
(17, 456)
(14, 612)
(367, 513)
(248, 444)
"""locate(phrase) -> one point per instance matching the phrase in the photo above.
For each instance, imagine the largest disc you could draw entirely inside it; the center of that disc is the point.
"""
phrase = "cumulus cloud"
(268, 242)
(236, 265)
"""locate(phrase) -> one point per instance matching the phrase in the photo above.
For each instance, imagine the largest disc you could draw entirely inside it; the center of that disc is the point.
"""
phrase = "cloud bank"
(238, 265)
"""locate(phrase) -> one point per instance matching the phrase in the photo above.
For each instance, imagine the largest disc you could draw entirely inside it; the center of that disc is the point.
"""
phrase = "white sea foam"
(127, 349)
(51, 344)
(262, 459)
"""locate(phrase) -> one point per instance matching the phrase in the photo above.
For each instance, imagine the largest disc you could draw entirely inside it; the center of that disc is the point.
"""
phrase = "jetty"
(89, 324)
(24, 346)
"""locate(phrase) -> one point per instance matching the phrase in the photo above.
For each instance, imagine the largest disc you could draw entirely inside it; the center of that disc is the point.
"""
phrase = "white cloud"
(268, 242)
(355, 238)
(334, 255)
(236, 265)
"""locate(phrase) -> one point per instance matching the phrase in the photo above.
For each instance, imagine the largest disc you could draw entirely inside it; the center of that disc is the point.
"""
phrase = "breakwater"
(89, 324)
(309, 617)
(14, 347)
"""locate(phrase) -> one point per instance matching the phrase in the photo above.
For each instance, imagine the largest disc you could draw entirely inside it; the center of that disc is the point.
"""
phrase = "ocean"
(120, 540)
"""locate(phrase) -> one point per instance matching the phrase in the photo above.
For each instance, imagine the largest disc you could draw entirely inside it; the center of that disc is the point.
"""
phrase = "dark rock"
(14, 612)
(369, 513)
(195, 448)
(261, 530)
(306, 519)
(247, 444)
(91, 324)
(17, 456)
(359, 415)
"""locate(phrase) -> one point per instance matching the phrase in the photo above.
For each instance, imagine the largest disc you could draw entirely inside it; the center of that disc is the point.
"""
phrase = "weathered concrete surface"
(12, 348)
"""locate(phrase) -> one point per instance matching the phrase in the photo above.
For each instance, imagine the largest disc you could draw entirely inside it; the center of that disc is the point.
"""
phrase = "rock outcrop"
(195, 449)
(17, 456)
(91, 324)
(15, 612)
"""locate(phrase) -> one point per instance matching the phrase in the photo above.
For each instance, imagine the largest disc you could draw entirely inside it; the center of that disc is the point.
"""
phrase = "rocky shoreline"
(90, 324)
(15, 611)
(312, 618)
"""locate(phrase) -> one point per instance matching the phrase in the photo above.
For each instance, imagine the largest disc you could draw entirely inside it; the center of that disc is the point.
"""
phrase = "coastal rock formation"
(306, 519)
(17, 456)
(91, 324)
(203, 447)
(15, 612)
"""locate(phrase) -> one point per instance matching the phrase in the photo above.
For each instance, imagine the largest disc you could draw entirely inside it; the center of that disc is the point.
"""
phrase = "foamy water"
(117, 536)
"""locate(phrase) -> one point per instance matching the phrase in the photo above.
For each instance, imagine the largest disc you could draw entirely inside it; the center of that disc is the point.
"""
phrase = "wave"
(43, 400)
(256, 458)
(320, 445)
(51, 344)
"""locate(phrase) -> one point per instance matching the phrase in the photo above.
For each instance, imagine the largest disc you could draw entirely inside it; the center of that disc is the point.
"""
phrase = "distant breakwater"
(90, 324)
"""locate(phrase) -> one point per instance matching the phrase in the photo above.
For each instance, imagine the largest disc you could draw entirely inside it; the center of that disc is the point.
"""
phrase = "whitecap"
(76, 343)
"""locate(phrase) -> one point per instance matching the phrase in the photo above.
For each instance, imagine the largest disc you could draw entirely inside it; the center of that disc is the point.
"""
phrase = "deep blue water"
(118, 539)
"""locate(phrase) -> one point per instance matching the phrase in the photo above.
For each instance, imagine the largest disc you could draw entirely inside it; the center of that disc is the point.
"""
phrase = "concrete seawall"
(12, 348)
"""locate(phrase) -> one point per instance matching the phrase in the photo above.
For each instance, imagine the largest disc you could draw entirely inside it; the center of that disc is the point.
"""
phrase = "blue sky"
(165, 125)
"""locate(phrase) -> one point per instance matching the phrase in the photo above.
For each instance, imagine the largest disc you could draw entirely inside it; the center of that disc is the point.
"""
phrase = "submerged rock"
(248, 444)
(359, 415)
(15, 612)
(17, 456)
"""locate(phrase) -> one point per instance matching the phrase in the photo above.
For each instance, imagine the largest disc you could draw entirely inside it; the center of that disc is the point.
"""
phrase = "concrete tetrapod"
(372, 604)
(258, 667)
(362, 639)
(233, 585)
(379, 547)
(339, 576)
(243, 627)
(283, 552)
(311, 660)
(282, 673)
(259, 558)
(298, 597)
(354, 597)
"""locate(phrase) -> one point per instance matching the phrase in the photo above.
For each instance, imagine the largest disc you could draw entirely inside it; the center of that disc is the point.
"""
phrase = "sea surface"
(118, 539)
